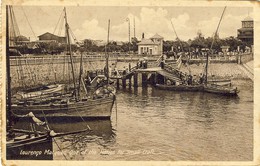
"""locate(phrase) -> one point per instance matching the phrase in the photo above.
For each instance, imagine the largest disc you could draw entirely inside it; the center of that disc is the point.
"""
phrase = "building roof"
(248, 18)
(156, 36)
(245, 29)
(146, 42)
(51, 34)
(46, 34)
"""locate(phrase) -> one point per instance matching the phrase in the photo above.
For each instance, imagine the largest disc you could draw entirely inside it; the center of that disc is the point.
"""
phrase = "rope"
(61, 27)
(28, 22)
(60, 149)
(12, 26)
(214, 37)
(58, 22)
(181, 48)
(47, 124)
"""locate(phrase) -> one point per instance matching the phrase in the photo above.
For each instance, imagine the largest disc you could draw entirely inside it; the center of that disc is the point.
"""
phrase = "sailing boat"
(214, 87)
(41, 91)
(181, 81)
(68, 105)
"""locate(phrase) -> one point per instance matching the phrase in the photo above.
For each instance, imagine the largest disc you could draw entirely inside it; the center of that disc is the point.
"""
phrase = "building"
(225, 49)
(246, 33)
(151, 46)
(99, 42)
(49, 37)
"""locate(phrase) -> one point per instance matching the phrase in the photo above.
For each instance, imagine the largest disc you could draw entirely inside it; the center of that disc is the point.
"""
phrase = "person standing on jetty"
(162, 62)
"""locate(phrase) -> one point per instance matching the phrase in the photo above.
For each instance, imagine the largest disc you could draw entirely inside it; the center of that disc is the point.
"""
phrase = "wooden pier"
(139, 75)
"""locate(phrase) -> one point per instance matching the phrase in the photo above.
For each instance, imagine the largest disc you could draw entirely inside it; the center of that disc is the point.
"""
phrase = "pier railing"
(154, 60)
(57, 59)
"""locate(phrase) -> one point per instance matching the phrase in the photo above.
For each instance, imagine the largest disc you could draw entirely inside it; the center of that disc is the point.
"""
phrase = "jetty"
(149, 72)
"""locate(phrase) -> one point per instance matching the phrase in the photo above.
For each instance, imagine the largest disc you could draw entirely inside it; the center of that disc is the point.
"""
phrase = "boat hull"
(38, 148)
(50, 91)
(91, 108)
(227, 91)
(180, 87)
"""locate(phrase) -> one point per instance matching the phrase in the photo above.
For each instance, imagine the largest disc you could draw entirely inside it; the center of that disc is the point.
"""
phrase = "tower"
(246, 33)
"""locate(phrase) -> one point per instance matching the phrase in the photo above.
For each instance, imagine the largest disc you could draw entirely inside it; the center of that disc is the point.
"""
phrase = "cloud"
(90, 29)
(152, 20)
(149, 21)
(228, 26)
(120, 32)
(181, 27)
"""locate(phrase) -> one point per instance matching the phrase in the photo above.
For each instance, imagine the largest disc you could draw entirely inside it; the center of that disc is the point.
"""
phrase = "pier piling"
(124, 83)
(135, 79)
(130, 82)
(144, 79)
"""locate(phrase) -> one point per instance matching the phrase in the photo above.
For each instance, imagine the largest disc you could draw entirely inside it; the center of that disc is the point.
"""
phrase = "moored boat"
(223, 90)
(40, 92)
(75, 103)
(86, 108)
(218, 87)
(180, 87)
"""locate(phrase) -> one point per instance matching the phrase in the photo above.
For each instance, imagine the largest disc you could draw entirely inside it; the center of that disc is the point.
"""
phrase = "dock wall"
(37, 70)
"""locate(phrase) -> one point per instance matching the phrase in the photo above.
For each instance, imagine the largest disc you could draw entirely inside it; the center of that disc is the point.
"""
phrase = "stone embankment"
(225, 70)
(31, 71)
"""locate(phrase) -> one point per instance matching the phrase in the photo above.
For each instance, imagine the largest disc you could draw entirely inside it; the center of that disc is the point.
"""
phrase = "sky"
(91, 22)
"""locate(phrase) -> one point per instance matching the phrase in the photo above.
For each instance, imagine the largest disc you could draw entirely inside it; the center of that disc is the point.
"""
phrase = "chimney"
(142, 35)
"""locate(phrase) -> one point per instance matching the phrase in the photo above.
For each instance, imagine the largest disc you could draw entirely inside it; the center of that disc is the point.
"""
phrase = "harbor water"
(152, 124)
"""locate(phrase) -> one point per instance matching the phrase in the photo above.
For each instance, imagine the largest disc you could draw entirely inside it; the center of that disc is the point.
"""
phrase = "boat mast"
(70, 52)
(107, 56)
(180, 44)
(177, 37)
(210, 50)
(80, 72)
(8, 82)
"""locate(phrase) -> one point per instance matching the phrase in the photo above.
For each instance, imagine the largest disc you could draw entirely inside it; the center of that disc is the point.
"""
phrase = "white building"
(152, 46)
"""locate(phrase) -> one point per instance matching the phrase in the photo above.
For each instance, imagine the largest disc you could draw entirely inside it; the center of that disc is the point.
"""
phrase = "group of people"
(142, 64)
(187, 79)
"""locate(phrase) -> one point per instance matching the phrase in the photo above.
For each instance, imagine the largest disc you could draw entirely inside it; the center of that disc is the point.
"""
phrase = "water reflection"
(101, 128)
(175, 125)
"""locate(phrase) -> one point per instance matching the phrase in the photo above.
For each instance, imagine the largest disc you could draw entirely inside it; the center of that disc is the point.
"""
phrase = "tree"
(199, 41)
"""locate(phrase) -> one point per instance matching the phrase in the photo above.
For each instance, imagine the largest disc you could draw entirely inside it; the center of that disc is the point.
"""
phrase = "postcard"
(130, 83)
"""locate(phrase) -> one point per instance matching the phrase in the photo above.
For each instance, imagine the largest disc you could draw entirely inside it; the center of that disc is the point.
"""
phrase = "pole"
(128, 35)
(210, 50)
(70, 52)
(134, 27)
(107, 56)
(177, 36)
(8, 82)
(80, 72)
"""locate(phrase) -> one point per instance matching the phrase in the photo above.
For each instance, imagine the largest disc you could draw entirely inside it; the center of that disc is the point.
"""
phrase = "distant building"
(49, 37)
(246, 33)
(151, 46)
(225, 49)
(99, 42)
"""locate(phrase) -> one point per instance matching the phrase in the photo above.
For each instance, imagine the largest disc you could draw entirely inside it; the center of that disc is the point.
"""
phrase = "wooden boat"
(180, 87)
(85, 106)
(40, 92)
(34, 144)
(215, 87)
(36, 148)
(223, 90)
(222, 82)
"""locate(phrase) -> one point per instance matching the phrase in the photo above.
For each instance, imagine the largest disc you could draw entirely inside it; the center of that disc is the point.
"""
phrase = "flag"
(179, 62)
